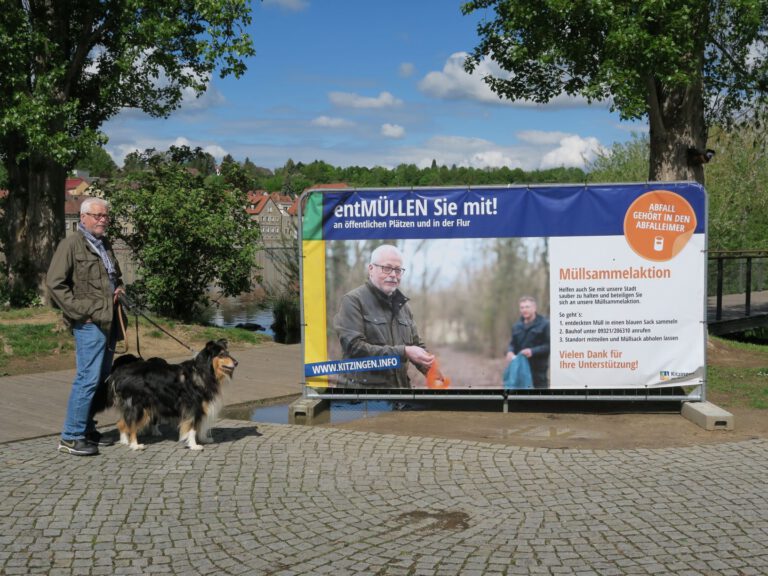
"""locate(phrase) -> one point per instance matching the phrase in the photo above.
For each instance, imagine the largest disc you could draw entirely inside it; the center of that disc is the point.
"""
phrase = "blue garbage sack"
(517, 374)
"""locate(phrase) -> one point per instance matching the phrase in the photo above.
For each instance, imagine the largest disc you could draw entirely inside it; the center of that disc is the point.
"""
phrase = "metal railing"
(747, 273)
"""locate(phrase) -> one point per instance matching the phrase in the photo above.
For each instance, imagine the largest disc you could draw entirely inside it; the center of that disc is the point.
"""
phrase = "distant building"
(278, 231)
(272, 212)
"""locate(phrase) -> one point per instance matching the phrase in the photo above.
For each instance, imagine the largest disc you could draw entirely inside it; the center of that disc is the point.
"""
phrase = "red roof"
(255, 195)
(294, 209)
(258, 205)
(281, 199)
(73, 183)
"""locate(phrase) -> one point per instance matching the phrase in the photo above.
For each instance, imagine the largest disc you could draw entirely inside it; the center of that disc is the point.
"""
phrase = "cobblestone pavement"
(280, 499)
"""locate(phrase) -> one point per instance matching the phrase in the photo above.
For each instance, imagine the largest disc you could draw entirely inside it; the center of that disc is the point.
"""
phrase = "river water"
(243, 309)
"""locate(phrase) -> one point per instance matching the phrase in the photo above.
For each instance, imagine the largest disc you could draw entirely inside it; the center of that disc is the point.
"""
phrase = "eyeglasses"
(389, 269)
(98, 216)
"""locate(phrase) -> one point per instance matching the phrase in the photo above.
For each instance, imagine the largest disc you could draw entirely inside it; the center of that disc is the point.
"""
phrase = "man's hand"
(419, 356)
(526, 352)
(510, 356)
(122, 297)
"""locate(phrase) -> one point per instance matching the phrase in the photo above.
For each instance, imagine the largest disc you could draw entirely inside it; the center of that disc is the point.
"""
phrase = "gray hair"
(384, 248)
(88, 202)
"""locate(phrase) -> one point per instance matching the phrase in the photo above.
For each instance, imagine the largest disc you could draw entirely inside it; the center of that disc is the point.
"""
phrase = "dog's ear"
(213, 347)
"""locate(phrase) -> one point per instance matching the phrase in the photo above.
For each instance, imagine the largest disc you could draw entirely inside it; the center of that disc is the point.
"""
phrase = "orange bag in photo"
(436, 380)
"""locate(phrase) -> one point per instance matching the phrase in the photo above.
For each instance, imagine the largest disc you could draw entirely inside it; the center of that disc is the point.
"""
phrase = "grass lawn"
(35, 340)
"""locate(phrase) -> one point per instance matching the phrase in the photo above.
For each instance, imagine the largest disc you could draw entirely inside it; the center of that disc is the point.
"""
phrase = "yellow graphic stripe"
(315, 321)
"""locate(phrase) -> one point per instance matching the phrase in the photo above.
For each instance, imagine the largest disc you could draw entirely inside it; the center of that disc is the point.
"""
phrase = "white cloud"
(350, 100)
(119, 150)
(536, 150)
(539, 150)
(541, 137)
(211, 98)
(392, 131)
(572, 151)
(407, 69)
(330, 122)
(469, 152)
(215, 150)
(292, 5)
(454, 83)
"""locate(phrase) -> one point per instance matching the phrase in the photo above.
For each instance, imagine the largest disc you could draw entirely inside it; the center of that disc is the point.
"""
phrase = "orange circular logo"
(659, 224)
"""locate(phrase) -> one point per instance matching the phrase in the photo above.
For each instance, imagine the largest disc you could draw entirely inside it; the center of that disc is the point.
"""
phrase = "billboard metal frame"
(687, 393)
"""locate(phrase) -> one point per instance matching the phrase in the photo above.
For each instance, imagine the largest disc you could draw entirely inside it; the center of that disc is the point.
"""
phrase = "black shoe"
(78, 447)
(97, 439)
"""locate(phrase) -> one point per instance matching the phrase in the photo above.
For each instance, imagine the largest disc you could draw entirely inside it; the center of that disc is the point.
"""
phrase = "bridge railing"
(736, 272)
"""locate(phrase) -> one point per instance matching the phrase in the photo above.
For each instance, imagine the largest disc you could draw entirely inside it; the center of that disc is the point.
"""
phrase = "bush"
(287, 324)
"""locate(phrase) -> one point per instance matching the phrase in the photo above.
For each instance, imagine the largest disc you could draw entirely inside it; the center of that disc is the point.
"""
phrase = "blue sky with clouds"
(370, 83)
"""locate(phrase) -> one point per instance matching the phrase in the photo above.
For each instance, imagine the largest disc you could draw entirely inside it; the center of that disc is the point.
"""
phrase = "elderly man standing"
(375, 320)
(84, 281)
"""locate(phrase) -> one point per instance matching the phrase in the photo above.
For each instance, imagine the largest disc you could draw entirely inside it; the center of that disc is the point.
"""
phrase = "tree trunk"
(33, 222)
(676, 116)
(676, 124)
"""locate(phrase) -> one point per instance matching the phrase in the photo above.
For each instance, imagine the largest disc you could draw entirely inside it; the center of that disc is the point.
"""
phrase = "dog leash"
(125, 301)
(124, 332)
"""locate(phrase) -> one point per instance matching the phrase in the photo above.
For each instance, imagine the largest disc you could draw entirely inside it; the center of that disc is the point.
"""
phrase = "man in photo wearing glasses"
(84, 281)
(375, 320)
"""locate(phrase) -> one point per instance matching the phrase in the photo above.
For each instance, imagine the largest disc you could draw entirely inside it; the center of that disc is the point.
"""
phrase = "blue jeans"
(94, 350)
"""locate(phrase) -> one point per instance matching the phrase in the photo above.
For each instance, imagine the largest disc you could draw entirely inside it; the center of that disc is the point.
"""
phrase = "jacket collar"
(396, 300)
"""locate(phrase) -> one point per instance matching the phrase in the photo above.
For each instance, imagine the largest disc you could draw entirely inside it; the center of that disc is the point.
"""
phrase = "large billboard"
(504, 288)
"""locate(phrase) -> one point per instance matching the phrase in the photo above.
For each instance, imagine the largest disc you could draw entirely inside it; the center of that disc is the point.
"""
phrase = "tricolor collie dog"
(146, 391)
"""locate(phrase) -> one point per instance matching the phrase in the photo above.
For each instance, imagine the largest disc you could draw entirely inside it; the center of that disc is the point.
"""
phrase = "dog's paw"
(137, 446)
(195, 447)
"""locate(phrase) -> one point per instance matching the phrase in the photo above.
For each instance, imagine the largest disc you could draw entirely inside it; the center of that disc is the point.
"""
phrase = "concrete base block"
(306, 410)
(708, 416)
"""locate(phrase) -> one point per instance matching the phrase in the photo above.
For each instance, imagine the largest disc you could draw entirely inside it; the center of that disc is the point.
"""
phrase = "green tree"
(291, 178)
(68, 66)
(319, 172)
(685, 65)
(203, 162)
(134, 162)
(737, 186)
(97, 162)
(257, 173)
(236, 175)
(624, 162)
(186, 232)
